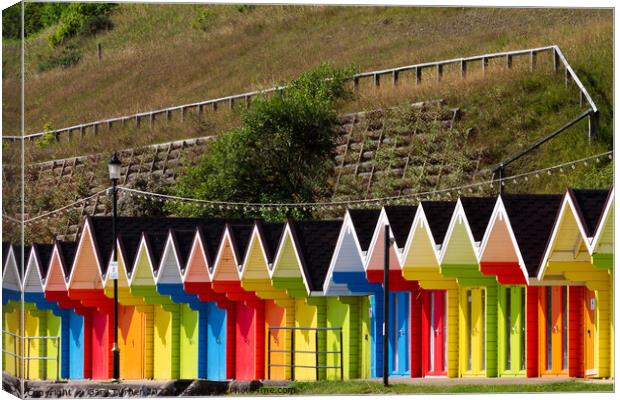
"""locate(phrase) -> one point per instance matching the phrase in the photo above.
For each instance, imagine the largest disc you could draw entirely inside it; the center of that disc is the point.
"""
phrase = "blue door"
(398, 344)
(216, 343)
(76, 346)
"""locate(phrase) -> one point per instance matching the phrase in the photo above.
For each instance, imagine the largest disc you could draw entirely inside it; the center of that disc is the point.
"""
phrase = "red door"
(101, 357)
(434, 333)
(246, 343)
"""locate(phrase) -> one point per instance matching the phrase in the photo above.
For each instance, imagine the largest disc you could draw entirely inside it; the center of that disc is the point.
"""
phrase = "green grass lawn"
(371, 387)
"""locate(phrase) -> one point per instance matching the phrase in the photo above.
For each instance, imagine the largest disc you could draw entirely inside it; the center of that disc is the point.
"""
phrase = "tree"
(282, 153)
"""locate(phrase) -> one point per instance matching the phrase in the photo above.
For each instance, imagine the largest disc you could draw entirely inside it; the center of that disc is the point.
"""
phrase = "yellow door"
(131, 342)
(473, 323)
(305, 340)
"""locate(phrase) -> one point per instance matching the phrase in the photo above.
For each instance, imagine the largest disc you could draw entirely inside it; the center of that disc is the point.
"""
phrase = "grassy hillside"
(161, 55)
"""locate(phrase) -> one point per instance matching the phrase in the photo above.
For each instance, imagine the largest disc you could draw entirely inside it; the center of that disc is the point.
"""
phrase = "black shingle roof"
(590, 204)
(212, 230)
(183, 242)
(211, 234)
(400, 219)
(271, 235)
(317, 242)
(21, 267)
(43, 252)
(156, 244)
(240, 235)
(532, 217)
(478, 211)
(129, 243)
(66, 251)
(364, 223)
(6, 246)
(438, 214)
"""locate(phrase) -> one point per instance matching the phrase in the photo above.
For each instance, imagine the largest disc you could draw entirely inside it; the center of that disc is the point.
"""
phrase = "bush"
(37, 16)
(82, 19)
(282, 153)
(68, 57)
(203, 20)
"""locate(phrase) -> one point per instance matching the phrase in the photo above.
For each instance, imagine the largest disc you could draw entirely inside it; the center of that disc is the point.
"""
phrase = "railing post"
(463, 69)
(316, 349)
(395, 78)
(341, 357)
(418, 75)
(269, 354)
(592, 125)
(532, 60)
(231, 103)
(151, 120)
(214, 106)
(182, 114)
(377, 79)
(485, 64)
(293, 354)
(137, 121)
(356, 84)
(247, 101)
(439, 72)
(509, 61)
(556, 60)
(95, 129)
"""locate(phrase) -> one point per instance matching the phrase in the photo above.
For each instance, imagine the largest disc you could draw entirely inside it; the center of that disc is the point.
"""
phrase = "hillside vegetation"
(162, 55)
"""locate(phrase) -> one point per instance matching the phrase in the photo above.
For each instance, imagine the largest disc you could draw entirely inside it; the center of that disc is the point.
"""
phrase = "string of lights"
(339, 204)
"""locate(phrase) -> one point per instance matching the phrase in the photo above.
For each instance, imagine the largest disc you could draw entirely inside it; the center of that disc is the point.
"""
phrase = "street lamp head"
(114, 167)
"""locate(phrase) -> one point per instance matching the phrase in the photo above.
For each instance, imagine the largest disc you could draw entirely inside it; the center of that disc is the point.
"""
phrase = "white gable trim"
(162, 263)
(255, 239)
(196, 246)
(142, 248)
(87, 228)
(567, 202)
(499, 212)
(226, 237)
(381, 222)
(593, 244)
(420, 219)
(55, 254)
(33, 264)
(458, 217)
(11, 261)
(347, 226)
(288, 234)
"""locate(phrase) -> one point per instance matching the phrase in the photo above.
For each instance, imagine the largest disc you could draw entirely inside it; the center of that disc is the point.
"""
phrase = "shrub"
(203, 20)
(82, 19)
(69, 56)
(282, 153)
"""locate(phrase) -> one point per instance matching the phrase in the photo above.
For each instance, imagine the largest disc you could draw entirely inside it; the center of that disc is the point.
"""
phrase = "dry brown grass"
(155, 58)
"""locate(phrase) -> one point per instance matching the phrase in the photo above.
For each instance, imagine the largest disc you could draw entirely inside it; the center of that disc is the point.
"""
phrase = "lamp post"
(388, 240)
(114, 168)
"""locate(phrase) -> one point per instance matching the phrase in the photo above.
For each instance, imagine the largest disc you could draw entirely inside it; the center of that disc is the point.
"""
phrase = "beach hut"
(300, 268)
(249, 309)
(11, 310)
(45, 319)
(193, 312)
(567, 258)
(348, 295)
(218, 365)
(55, 290)
(86, 286)
(279, 306)
(477, 292)
(440, 296)
(601, 249)
(405, 307)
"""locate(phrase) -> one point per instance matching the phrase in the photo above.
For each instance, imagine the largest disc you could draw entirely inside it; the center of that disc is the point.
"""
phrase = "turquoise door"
(216, 343)
(398, 343)
(76, 346)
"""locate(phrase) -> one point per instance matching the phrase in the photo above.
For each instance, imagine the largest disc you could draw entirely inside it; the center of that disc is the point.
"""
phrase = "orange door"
(590, 332)
(556, 330)
(131, 342)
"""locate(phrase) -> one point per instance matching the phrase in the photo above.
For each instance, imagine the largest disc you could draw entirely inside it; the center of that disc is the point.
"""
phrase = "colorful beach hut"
(405, 307)
(249, 315)
(348, 295)
(11, 310)
(440, 296)
(193, 312)
(567, 258)
(279, 306)
(300, 268)
(86, 286)
(218, 365)
(44, 319)
(55, 290)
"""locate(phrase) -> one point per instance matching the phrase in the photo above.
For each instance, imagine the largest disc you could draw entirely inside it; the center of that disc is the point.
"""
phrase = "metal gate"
(292, 351)
(27, 358)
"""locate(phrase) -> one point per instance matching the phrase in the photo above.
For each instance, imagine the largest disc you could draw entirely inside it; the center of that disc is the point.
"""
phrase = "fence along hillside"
(379, 151)
(392, 75)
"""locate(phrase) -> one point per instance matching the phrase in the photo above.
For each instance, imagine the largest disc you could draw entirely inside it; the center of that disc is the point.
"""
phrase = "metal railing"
(28, 339)
(317, 367)
(558, 59)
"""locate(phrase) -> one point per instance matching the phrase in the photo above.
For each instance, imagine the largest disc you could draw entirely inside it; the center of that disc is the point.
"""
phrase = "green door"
(512, 330)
